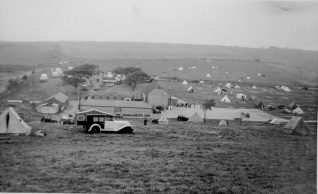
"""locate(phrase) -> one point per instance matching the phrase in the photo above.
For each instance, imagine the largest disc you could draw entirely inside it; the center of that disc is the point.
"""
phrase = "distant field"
(281, 66)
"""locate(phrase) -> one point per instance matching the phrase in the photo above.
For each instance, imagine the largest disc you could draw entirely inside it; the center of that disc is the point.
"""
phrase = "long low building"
(126, 108)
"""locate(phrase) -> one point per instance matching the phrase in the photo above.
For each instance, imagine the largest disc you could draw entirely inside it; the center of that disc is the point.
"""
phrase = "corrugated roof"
(128, 94)
(115, 103)
(59, 97)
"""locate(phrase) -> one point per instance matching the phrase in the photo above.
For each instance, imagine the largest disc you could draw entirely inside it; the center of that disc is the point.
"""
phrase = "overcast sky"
(238, 23)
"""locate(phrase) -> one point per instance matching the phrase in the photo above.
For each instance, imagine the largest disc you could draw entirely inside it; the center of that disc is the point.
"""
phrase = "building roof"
(146, 88)
(60, 97)
(94, 112)
(118, 93)
(115, 103)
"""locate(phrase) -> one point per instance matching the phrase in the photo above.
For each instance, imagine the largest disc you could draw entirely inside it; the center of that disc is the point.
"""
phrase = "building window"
(101, 119)
(95, 119)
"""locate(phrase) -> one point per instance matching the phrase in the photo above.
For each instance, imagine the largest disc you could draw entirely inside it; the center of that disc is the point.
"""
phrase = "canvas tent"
(195, 118)
(292, 105)
(298, 126)
(44, 77)
(298, 111)
(11, 122)
(285, 88)
(190, 89)
(254, 87)
(236, 86)
(274, 122)
(163, 121)
(228, 85)
(223, 123)
(201, 83)
(225, 99)
(208, 75)
(184, 82)
(180, 68)
(241, 96)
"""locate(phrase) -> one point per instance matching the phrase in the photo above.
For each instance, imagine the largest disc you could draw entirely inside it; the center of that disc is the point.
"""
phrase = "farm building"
(158, 97)
(127, 108)
(54, 104)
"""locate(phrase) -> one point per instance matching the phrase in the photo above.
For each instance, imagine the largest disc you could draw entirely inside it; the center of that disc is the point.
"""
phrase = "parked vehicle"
(47, 119)
(67, 120)
(182, 118)
(95, 121)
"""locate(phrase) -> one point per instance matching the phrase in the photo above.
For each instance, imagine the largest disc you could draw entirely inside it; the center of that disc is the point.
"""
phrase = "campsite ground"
(181, 157)
(177, 158)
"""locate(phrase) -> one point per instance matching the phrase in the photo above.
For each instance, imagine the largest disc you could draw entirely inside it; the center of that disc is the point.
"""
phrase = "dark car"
(47, 119)
(182, 118)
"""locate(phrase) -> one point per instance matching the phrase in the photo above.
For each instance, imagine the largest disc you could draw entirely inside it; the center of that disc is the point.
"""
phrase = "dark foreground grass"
(178, 158)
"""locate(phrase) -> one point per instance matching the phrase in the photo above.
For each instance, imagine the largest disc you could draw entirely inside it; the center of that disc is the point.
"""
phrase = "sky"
(292, 24)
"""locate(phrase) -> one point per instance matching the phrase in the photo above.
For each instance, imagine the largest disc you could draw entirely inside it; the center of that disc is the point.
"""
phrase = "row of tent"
(11, 122)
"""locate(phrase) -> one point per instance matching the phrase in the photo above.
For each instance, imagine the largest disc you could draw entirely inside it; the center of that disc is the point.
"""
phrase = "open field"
(181, 157)
(281, 66)
(178, 158)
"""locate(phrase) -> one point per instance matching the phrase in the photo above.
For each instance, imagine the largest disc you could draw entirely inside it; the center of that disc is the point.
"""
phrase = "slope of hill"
(282, 66)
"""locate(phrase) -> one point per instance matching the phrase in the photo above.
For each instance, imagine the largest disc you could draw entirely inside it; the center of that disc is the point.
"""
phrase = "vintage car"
(94, 121)
(47, 119)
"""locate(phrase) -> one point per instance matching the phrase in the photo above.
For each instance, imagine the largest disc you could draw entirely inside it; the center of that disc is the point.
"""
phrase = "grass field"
(181, 157)
(281, 66)
(178, 158)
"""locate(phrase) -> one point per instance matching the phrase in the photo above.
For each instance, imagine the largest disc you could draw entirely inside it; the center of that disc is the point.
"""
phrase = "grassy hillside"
(283, 66)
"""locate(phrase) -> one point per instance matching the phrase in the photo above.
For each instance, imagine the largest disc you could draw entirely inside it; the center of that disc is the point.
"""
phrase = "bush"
(25, 77)
(12, 84)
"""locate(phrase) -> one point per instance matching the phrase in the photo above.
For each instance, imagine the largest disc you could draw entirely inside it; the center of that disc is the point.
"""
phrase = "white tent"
(298, 111)
(223, 123)
(190, 89)
(208, 75)
(11, 122)
(163, 121)
(259, 74)
(44, 77)
(285, 88)
(254, 87)
(217, 90)
(228, 85)
(201, 82)
(184, 82)
(195, 118)
(55, 74)
(225, 99)
(226, 72)
(241, 96)
(275, 122)
(236, 86)
(70, 68)
(298, 126)
(248, 77)
(180, 68)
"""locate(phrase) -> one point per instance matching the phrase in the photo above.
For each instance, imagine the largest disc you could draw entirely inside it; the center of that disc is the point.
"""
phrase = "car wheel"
(95, 129)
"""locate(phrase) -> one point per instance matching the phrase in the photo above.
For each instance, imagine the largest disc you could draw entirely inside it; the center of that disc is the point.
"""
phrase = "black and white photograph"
(158, 96)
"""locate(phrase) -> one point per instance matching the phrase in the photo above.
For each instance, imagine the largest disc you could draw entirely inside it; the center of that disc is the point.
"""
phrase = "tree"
(81, 71)
(207, 105)
(135, 77)
(72, 80)
(126, 70)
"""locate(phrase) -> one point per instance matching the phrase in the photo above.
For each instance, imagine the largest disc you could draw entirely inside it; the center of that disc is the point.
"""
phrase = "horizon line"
(171, 43)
